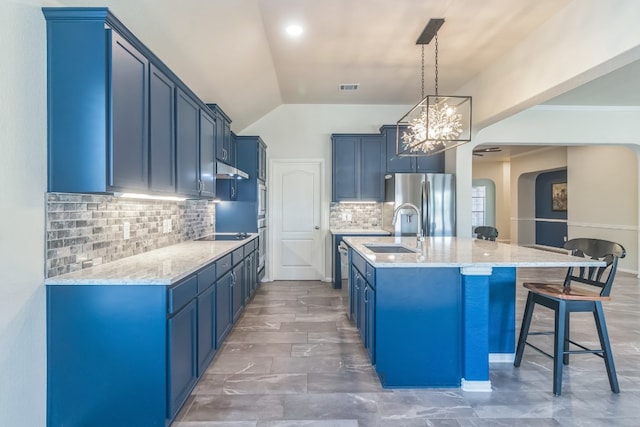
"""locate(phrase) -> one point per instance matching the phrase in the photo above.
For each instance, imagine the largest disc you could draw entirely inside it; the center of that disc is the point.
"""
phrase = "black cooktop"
(212, 237)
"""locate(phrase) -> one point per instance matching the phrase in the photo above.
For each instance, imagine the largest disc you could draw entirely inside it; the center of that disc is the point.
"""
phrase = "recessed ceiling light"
(294, 30)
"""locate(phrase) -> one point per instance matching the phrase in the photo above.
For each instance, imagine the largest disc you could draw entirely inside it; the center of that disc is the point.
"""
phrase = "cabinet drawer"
(359, 262)
(182, 293)
(206, 277)
(223, 265)
(370, 275)
(250, 247)
(238, 255)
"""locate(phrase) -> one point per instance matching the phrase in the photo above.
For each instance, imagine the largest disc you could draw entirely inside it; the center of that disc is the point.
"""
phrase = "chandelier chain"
(422, 97)
(436, 65)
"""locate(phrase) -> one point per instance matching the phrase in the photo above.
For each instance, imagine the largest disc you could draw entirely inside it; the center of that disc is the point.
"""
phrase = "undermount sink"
(390, 249)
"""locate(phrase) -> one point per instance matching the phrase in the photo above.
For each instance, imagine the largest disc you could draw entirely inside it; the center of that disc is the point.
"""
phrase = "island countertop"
(440, 252)
(164, 266)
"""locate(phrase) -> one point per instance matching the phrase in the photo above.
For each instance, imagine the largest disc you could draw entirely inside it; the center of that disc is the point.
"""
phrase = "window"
(478, 205)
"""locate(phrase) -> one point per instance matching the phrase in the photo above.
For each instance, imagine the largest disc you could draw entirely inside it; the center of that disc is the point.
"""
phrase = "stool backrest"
(486, 232)
(603, 250)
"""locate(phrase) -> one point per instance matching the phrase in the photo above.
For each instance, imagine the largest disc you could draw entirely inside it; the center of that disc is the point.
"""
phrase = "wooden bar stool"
(486, 232)
(583, 290)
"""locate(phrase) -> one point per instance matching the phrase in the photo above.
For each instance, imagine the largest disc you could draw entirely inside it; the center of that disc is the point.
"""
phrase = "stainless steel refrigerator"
(434, 194)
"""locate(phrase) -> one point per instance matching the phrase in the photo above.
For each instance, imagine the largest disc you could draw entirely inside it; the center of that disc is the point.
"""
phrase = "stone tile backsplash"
(85, 230)
(355, 215)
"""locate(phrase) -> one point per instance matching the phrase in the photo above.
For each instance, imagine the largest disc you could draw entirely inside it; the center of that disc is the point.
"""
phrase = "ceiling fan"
(481, 151)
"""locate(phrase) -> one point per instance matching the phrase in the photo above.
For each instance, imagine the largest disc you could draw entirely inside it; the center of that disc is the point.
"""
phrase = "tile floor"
(294, 359)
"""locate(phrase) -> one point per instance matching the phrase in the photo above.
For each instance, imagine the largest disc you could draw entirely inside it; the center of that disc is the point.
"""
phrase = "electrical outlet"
(344, 216)
(127, 230)
(166, 226)
(349, 217)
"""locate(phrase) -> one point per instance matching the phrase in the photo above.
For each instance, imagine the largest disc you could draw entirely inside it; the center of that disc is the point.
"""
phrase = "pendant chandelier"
(437, 123)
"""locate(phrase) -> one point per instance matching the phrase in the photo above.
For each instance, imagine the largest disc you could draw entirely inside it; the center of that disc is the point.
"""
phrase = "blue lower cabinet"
(206, 328)
(238, 290)
(182, 346)
(107, 355)
(224, 288)
(370, 322)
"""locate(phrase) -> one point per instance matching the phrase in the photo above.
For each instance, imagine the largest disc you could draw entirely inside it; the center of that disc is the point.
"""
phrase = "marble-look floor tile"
(326, 349)
(308, 327)
(344, 382)
(231, 363)
(346, 406)
(264, 384)
(256, 350)
(235, 408)
(309, 423)
(265, 337)
(329, 381)
(215, 424)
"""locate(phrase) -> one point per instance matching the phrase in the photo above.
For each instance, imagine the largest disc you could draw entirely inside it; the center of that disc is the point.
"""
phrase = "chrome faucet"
(419, 236)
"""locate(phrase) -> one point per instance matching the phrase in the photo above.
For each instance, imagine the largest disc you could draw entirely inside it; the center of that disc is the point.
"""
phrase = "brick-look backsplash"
(85, 230)
(362, 215)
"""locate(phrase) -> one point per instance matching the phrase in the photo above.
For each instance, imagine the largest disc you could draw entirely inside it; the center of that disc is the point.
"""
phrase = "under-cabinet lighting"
(149, 197)
(358, 202)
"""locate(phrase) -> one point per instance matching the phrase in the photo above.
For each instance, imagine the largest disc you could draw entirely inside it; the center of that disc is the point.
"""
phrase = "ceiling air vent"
(349, 86)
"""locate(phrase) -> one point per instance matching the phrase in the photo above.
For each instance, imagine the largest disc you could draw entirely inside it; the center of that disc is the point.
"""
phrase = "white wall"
(296, 131)
(602, 183)
(23, 136)
(498, 172)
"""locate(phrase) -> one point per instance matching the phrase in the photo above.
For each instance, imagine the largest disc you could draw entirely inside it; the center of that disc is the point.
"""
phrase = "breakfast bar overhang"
(444, 311)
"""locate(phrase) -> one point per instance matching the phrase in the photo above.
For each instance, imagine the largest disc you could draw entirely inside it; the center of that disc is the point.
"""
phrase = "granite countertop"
(370, 231)
(163, 266)
(461, 252)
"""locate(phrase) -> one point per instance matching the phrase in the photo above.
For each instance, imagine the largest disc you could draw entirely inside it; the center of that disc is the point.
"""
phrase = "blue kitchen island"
(436, 316)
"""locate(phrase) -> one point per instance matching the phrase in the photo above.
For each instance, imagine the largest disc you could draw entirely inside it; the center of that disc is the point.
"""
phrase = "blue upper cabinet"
(225, 149)
(358, 168)
(119, 120)
(187, 133)
(129, 116)
(207, 154)
(162, 145)
(408, 164)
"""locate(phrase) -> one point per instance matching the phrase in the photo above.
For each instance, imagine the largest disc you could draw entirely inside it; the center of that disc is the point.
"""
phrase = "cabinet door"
(238, 290)
(394, 163)
(353, 295)
(346, 168)
(371, 169)
(187, 117)
(223, 140)
(223, 307)
(262, 162)
(129, 116)
(162, 168)
(207, 155)
(248, 262)
(182, 364)
(362, 309)
(229, 143)
(206, 328)
(433, 164)
(370, 322)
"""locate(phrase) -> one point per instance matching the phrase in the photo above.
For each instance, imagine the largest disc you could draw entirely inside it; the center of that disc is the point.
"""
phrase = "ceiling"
(236, 53)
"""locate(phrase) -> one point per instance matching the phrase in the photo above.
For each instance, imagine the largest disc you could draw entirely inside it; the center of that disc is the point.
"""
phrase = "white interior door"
(295, 208)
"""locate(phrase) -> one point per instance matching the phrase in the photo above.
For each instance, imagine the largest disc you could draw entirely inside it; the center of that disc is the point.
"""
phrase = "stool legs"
(559, 346)
(524, 329)
(601, 326)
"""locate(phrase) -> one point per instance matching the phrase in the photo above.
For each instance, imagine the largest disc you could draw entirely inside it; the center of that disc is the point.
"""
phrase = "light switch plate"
(127, 230)
(166, 226)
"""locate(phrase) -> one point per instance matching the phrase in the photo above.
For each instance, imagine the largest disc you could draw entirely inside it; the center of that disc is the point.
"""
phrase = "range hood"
(224, 171)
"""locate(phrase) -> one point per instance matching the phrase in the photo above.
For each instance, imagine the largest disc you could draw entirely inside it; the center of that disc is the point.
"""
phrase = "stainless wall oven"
(262, 200)
(262, 245)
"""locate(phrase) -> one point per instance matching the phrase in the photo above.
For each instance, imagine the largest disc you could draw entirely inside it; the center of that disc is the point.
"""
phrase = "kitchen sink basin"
(390, 249)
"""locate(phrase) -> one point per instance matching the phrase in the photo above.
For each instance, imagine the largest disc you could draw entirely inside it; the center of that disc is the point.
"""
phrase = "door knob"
(317, 227)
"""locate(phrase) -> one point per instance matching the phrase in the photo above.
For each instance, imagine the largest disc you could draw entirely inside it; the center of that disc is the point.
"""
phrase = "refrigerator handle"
(425, 209)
